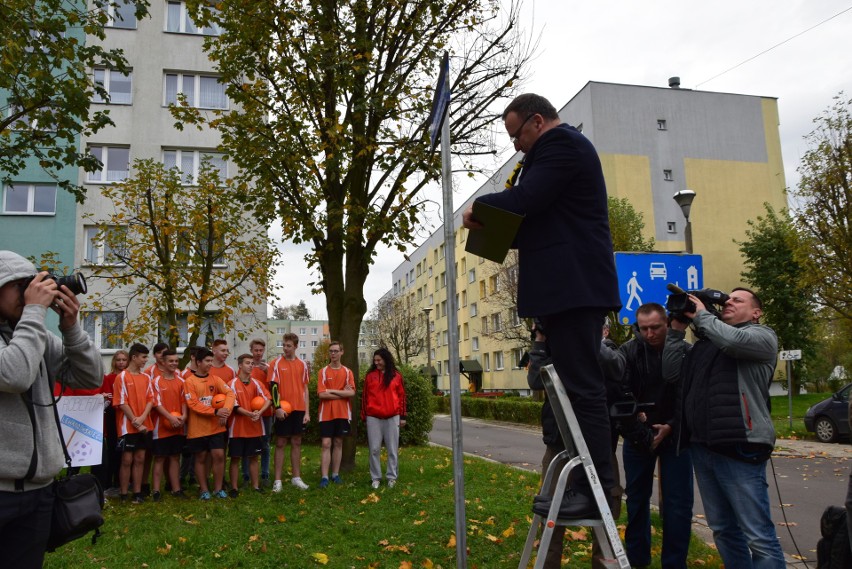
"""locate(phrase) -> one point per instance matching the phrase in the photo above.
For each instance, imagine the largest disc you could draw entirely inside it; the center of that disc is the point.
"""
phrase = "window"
(464, 298)
(475, 343)
(483, 325)
(466, 331)
(671, 227)
(303, 356)
(473, 309)
(29, 199)
(661, 124)
(496, 322)
(443, 280)
(471, 276)
(118, 86)
(438, 366)
(280, 330)
(105, 245)
(201, 91)
(445, 337)
(431, 300)
(362, 342)
(464, 265)
(430, 271)
(446, 367)
(419, 294)
(419, 270)
(303, 344)
(104, 328)
(122, 13)
(517, 355)
(667, 176)
(441, 251)
(209, 329)
(189, 163)
(314, 343)
(313, 331)
(482, 292)
(279, 344)
(302, 331)
(432, 352)
(436, 283)
(493, 285)
(498, 360)
(115, 161)
(178, 20)
(513, 314)
(486, 360)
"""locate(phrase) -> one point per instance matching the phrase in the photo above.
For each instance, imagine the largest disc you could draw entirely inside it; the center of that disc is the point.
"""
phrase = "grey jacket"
(32, 356)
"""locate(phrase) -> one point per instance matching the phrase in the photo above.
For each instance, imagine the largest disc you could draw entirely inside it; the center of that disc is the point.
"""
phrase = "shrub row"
(511, 409)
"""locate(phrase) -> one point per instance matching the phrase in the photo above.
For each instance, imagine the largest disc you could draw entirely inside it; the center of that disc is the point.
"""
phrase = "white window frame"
(498, 361)
(185, 20)
(195, 156)
(473, 309)
(107, 85)
(474, 343)
(103, 176)
(486, 361)
(193, 95)
(96, 250)
(31, 199)
(99, 338)
(109, 7)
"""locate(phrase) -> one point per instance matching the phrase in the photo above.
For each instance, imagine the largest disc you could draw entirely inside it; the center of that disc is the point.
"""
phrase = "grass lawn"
(352, 525)
(781, 414)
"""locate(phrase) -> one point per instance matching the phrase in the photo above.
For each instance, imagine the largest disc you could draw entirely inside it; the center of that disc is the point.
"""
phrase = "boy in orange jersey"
(288, 380)
(335, 387)
(221, 351)
(132, 394)
(159, 351)
(169, 438)
(259, 367)
(246, 430)
(206, 425)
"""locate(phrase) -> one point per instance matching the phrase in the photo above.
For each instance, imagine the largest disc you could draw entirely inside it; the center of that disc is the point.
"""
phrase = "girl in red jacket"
(383, 407)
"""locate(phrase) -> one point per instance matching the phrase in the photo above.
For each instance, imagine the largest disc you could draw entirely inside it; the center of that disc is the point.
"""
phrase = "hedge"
(508, 408)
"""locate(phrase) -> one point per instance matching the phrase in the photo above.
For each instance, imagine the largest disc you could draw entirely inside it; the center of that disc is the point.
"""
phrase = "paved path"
(810, 475)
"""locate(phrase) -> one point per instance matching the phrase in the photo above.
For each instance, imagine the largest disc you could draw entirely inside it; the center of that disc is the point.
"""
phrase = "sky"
(722, 46)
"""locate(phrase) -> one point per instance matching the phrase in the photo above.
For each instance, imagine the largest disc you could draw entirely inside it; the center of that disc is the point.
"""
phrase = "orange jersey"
(292, 379)
(240, 426)
(199, 392)
(133, 390)
(260, 375)
(169, 394)
(153, 372)
(226, 372)
(339, 379)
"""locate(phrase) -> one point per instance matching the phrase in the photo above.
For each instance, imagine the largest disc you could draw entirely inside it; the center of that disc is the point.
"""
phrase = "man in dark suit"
(567, 273)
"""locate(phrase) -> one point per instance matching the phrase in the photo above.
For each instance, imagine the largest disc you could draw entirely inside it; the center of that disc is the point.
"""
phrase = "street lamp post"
(684, 200)
(426, 311)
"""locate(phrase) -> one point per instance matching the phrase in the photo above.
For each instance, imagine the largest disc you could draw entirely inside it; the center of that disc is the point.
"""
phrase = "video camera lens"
(75, 282)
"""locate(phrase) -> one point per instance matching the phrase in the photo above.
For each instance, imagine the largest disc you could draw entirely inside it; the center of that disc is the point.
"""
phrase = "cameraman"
(727, 423)
(30, 360)
(652, 367)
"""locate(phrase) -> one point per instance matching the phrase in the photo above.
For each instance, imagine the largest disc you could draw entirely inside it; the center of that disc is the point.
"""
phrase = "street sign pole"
(788, 356)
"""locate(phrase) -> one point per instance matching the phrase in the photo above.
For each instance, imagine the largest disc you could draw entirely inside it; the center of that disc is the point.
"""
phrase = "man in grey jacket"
(31, 360)
(725, 419)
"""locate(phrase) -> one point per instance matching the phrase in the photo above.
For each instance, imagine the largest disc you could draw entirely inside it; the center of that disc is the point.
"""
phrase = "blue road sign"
(642, 277)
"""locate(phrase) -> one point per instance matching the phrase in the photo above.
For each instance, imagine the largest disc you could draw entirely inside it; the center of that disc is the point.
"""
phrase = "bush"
(510, 409)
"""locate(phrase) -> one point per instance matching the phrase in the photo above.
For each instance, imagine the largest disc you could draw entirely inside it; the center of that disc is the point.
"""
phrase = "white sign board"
(791, 355)
(82, 420)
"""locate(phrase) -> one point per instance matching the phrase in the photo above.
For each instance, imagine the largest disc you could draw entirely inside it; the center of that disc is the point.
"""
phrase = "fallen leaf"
(384, 542)
(418, 522)
(164, 550)
(281, 518)
(260, 520)
(320, 558)
(405, 565)
(254, 537)
(452, 542)
(493, 538)
(427, 563)
(182, 539)
(372, 498)
(509, 532)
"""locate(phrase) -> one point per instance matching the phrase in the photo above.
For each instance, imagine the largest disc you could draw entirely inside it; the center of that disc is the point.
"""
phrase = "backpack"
(833, 551)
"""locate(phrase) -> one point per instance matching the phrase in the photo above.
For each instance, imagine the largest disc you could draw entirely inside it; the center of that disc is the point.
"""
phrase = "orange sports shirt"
(169, 394)
(134, 390)
(240, 426)
(330, 378)
(226, 372)
(199, 392)
(292, 379)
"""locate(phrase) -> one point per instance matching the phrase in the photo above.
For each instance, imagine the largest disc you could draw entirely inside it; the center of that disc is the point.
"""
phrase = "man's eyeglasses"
(334, 351)
(514, 137)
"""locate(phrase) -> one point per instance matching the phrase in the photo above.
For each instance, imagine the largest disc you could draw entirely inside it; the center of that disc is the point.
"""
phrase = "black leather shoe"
(574, 505)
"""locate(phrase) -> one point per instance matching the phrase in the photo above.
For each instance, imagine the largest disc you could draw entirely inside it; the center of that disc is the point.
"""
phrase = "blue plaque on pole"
(642, 278)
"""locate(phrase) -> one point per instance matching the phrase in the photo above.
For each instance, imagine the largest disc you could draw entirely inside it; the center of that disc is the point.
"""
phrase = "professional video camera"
(75, 282)
(678, 302)
(625, 417)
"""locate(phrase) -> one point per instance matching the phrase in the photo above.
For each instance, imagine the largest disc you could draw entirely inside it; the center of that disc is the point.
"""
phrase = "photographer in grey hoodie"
(31, 360)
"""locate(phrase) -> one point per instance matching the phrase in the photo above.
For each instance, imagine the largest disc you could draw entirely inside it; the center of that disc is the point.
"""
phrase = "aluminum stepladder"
(576, 453)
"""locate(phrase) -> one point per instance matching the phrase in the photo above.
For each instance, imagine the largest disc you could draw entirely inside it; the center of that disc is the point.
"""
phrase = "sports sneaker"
(336, 479)
(391, 483)
(260, 490)
(138, 498)
(323, 483)
(298, 483)
(234, 493)
(221, 494)
(112, 492)
(375, 484)
(179, 494)
(276, 486)
(204, 496)
(156, 496)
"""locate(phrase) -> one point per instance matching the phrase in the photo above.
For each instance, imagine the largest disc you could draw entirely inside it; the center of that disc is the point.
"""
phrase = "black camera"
(75, 282)
(625, 416)
(678, 302)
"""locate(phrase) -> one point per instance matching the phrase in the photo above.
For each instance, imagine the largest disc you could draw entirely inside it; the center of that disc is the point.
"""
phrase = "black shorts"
(169, 446)
(202, 444)
(244, 446)
(291, 426)
(335, 428)
(134, 441)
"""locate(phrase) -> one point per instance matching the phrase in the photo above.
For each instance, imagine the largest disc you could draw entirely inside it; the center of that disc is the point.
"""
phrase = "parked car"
(829, 419)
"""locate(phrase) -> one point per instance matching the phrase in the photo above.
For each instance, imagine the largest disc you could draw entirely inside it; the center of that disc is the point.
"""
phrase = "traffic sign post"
(788, 356)
(642, 278)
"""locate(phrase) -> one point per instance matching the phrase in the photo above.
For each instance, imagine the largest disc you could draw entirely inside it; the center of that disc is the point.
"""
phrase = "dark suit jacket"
(564, 244)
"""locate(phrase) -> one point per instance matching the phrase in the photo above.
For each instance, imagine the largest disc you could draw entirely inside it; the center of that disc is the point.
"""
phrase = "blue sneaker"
(204, 496)
(221, 494)
(323, 483)
(336, 479)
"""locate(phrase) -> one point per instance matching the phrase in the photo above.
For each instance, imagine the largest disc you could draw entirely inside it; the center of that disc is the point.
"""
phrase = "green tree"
(181, 251)
(46, 85)
(771, 267)
(824, 219)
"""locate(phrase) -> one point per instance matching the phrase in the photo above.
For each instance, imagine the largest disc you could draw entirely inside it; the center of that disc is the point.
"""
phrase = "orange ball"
(177, 414)
(257, 403)
(219, 400)
(286, 407)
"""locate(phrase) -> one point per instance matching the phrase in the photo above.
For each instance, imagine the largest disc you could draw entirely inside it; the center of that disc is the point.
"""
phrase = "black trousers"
(25, 526)
(574, 339)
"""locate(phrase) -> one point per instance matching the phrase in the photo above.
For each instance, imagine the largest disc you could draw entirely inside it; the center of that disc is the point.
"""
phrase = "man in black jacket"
(566, 272)
(652, 370)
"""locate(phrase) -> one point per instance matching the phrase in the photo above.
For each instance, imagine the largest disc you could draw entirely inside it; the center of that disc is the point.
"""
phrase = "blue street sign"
(642, 277)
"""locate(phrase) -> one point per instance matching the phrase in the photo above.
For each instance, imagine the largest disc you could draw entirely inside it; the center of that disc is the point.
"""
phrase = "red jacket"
(380, 401)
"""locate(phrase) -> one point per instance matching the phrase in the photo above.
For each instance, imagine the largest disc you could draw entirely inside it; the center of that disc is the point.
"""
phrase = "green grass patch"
(781, 414)
(350, 525)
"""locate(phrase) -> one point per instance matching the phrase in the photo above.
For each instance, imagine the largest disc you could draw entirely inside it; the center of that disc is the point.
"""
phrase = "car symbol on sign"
(658, 270)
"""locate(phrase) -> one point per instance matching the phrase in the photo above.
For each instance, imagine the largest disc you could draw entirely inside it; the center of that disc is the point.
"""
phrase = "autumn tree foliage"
(331, 100)
(181, 251)
(46, 85)
(398, 324)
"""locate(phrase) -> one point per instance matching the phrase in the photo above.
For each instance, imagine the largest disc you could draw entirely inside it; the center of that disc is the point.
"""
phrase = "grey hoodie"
(32, 356)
